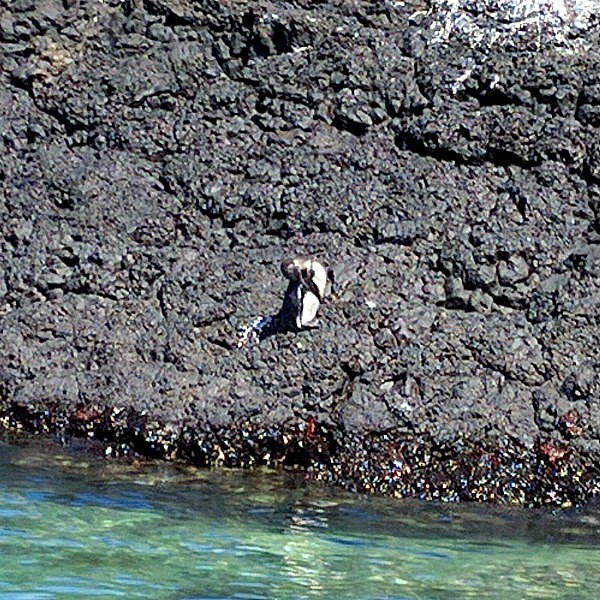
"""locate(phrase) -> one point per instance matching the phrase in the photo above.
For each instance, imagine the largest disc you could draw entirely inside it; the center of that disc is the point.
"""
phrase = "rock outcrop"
(160, 158)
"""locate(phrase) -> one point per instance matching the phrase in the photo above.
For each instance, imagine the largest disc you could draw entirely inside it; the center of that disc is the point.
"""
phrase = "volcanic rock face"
(160, 158)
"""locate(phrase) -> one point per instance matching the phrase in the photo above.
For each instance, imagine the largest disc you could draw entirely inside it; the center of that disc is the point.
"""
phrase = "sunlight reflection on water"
(157, 531)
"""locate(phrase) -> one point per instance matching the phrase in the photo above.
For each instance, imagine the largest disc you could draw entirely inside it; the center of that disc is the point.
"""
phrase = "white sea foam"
(491, 22)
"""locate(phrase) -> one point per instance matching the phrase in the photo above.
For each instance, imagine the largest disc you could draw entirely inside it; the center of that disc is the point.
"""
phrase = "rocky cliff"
(159, 159)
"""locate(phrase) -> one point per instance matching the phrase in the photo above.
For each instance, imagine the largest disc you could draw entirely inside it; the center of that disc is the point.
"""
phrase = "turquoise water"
(73, 526)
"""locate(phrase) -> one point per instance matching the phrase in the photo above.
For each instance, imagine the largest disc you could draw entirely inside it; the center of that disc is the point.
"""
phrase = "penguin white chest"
(319, 277)
(308, 305)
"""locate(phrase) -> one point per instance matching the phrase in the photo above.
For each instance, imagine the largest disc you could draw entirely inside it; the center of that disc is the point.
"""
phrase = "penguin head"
(290, 269)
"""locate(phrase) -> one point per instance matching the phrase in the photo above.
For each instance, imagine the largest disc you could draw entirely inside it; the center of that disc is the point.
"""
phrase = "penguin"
(309, 282)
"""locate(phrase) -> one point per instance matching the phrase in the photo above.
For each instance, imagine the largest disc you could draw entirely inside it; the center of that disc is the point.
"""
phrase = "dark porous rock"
(159, 160)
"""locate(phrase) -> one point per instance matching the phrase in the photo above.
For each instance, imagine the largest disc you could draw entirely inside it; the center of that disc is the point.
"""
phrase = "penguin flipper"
(331, 279)
(311, 286)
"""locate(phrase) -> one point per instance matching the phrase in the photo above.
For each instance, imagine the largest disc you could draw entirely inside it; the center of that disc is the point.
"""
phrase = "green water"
(80, 527)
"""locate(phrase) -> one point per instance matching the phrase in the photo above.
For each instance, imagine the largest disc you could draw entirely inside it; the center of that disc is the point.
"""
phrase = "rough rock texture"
(160, 157)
